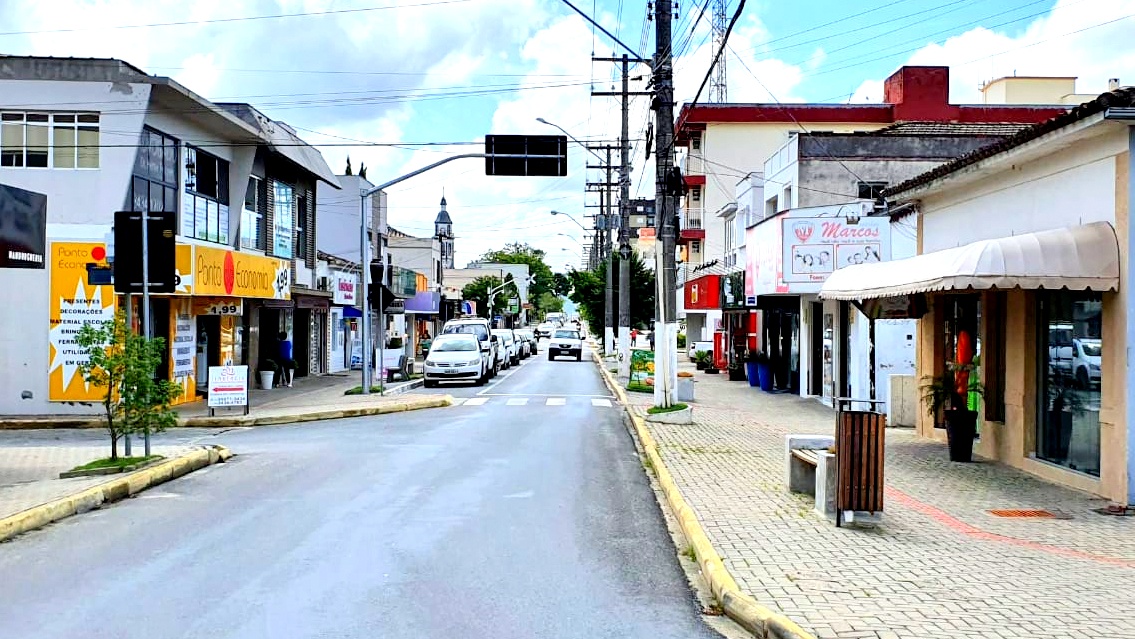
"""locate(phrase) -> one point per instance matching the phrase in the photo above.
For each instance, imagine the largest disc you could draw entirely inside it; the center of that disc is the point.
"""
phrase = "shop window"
(206, 214)
(871, 190)
(1069, 335)
(56, 140)
(962, 321)
(154, 184)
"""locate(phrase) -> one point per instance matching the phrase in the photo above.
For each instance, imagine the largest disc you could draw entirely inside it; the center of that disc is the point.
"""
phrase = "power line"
(274, 16)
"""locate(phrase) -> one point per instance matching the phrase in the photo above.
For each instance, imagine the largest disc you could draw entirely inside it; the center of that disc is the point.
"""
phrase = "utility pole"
(624, 334)
(666, 359)
(607, 216)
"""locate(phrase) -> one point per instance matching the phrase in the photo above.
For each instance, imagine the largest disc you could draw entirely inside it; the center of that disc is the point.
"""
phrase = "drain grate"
(1035, 514)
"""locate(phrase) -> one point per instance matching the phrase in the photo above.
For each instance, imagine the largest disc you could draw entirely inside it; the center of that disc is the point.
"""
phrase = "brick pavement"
(936, 566)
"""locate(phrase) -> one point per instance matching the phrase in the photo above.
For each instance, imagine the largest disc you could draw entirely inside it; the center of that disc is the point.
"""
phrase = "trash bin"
(859, 442)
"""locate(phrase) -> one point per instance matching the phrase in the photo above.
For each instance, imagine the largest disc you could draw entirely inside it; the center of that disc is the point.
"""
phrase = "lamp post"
(570, 217)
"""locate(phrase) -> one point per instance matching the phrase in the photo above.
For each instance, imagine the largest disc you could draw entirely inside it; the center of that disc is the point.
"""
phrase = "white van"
(478, 326)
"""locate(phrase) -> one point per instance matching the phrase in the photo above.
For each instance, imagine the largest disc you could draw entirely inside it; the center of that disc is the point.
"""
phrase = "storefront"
(737, 322)
(342, 320)
(422, 317)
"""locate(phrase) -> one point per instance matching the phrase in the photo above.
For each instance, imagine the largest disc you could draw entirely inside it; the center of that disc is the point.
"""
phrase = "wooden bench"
(801, 459)
(807, 455)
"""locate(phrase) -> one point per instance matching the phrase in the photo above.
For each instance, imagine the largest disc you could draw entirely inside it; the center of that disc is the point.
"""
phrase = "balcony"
(692, 220)
(693, 163)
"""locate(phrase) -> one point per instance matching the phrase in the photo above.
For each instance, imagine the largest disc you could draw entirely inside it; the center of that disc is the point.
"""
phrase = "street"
(522, 512)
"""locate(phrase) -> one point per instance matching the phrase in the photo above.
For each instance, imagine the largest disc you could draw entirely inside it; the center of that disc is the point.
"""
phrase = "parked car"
(565, 341)
(544, 329)
(455, 357)
(694, 347)
(528, 342)
(478, 326)
(1086, 361)
(511, 345)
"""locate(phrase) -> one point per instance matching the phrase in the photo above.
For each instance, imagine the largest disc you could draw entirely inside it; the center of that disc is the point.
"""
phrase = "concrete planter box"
(685, 389)
(684, 416)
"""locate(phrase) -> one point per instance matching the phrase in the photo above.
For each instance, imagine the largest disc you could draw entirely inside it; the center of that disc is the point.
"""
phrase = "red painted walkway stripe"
(974, 532)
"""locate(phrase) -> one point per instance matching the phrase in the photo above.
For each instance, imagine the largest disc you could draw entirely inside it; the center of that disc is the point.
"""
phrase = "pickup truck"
(694, 347)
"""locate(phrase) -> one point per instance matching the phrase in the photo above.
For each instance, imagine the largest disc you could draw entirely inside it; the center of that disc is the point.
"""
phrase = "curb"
(435, 401)
(111, 491)
(763, 622)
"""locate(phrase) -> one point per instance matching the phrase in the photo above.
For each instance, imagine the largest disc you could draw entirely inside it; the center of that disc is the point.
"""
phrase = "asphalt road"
(523, 512)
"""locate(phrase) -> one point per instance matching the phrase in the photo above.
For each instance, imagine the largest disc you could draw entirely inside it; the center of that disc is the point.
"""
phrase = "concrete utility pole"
(609, 298)
(666, 357)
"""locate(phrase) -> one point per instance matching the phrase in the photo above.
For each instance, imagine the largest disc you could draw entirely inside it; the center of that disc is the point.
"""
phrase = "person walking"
(287, 363)
(634, 336)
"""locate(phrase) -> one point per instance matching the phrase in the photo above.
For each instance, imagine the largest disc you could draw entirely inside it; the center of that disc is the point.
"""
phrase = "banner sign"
(228, 386)
(184, 348)
(642, 370)
(343, 289)
(74, 302)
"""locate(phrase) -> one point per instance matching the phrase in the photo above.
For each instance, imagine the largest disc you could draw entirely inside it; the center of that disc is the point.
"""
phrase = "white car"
(544, 329)
(1086, 361)
(694, 347)
(510, 346)
(490, 344)
(565, 341)
(455, 358)
(527, 342)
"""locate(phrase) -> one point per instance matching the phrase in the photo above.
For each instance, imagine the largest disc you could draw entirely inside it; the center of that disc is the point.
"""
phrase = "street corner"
(112, 490)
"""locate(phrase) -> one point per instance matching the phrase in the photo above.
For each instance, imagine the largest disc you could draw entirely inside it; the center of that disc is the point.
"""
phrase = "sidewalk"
(939, 565)
(311, 397)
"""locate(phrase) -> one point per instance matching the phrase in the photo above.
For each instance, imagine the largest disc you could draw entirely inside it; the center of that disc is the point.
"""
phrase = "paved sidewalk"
(939, 565)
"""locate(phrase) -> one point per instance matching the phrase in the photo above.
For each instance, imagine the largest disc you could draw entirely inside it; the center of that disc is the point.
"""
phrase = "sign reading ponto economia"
(816, 246)
(228, 273)
(74, 302)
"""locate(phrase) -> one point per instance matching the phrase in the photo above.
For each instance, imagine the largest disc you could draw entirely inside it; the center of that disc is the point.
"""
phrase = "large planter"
(684, 390)
(684, 416)
(266, 379)
(961, 427)
(764, 374)
(752, 374)
(702, 365)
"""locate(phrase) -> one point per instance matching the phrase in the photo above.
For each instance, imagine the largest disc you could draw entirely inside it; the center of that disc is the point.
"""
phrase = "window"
(56, 140)
(695, 195)
(301, 227)
(252, 217)
(154, 185)
(695, 246)
(206, 199)
(695, 142)
(787, 198)
(1069, 332)
(871, 190)
(283, 217)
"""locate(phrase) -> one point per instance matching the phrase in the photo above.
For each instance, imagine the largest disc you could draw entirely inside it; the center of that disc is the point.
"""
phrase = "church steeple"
(443, 231)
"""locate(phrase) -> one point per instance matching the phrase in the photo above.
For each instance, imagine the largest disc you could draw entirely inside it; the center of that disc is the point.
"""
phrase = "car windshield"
(1091, 349)
(445, 344)
(466, 329)
(504, 335)
(564, 334)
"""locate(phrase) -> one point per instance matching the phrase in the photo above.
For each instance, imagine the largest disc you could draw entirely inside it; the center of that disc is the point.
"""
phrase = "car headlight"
(1094, 367)
(430, 362)
(473, 362)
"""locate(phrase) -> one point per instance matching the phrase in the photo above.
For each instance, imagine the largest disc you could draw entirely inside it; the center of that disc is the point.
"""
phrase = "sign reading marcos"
(814, 247)
(232, 274)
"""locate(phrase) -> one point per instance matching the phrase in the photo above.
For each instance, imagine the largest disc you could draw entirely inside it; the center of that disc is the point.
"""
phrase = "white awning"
(1077, 258)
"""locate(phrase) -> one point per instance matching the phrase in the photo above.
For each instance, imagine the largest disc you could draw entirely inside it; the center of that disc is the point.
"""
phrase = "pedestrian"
(287, 363)
(651, 338)
(634, 336)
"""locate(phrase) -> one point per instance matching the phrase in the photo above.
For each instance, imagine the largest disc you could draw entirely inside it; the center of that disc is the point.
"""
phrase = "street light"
(572, 137)
(572, 238)
(568, 216)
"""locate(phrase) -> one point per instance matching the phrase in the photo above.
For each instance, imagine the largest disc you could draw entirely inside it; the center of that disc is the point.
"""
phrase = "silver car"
(455, 358)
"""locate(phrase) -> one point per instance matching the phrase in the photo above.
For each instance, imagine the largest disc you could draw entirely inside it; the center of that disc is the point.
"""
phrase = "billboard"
(23, 228)
(74, 302)
(814, 247)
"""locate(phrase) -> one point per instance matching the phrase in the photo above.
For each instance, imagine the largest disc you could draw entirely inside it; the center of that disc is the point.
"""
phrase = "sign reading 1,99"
(227, 307)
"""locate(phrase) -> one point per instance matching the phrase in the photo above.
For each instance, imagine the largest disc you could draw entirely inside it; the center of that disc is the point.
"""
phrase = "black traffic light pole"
(490, 169)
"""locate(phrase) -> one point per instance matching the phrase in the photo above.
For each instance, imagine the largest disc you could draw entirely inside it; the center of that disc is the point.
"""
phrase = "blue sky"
(410, 72)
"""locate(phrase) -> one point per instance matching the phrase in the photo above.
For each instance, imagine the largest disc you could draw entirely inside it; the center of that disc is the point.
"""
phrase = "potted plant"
(702, 360)
(267, 371)
(949, 394)
(1064, 404)
(751, 358)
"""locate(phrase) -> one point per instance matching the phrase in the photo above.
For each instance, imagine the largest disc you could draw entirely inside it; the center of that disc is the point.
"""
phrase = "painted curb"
(763, 622)
(401, 406)
(111, 491)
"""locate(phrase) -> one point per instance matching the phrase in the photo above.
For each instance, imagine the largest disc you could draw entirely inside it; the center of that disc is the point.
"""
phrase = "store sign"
(343, 289)
(23, 228)
(703, 293)
(74, 303)
(184, 348)
(219, 271)
(228, 386)
(814, 247)
(763, 255)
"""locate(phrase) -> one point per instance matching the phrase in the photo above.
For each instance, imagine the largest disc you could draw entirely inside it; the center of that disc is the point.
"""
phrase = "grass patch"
(121, 462)
(639, 387)
(655, 410)
(358, 390)
(648, 464)
(689, 552)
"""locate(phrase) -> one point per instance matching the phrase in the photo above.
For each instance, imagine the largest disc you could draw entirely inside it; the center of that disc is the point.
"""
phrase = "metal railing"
(692, 218)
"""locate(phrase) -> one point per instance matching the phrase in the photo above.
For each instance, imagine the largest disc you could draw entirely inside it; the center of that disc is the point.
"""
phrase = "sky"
(400, 84)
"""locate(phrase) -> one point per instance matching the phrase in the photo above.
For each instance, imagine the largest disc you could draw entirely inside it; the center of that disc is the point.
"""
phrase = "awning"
(1077, 258)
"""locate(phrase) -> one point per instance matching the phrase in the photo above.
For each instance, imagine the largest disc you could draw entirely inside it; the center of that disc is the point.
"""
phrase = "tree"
(124, 364)
(478, 291)
(550, 303)
(588, 289)
(561, 285)
(543, 280)
(349, 165)
(363, 170)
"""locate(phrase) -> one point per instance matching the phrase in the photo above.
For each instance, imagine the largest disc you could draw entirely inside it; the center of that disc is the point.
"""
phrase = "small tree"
(363, 170)
(123, 364)
(349, 165)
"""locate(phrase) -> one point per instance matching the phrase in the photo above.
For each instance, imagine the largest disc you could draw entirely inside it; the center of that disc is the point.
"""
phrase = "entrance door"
(301, 341)
(817, 364)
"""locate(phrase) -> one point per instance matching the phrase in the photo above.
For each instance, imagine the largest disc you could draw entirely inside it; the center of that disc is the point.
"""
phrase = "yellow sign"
(218, 271)
(74, 303)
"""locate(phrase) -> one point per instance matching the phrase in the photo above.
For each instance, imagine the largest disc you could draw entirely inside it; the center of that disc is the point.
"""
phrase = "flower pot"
(752, 374)
(961, 427)
(266, 379)
(764, 373)
(702, 366)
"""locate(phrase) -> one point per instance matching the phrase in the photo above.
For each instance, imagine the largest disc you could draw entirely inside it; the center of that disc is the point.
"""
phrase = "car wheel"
(480, 381)
(579, 356)
(550, 356)
(429, 383)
